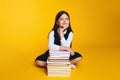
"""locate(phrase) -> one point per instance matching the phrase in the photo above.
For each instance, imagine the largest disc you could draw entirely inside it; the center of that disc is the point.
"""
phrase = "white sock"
(73, 66)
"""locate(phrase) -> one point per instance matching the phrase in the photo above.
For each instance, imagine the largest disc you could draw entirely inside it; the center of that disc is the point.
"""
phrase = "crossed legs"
(44, 63)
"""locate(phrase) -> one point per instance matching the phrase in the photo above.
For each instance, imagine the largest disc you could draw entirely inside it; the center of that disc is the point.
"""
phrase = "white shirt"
(63, 41)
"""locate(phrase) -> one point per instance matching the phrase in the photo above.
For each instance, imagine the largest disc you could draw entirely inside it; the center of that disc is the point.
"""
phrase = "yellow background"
(24, 28)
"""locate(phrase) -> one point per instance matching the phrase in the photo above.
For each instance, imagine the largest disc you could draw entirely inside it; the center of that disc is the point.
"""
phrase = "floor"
(97, 64)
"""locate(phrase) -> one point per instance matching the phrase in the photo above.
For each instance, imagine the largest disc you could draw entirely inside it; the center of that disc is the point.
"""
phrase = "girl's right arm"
(51, 44)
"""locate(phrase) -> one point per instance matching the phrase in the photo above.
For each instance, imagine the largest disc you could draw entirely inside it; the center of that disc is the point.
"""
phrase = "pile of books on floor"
(58, 63)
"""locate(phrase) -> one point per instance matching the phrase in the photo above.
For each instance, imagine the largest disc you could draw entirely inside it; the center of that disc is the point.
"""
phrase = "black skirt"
(44, 56)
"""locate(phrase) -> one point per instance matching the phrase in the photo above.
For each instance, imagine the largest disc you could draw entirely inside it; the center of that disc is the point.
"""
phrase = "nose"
(64, 20)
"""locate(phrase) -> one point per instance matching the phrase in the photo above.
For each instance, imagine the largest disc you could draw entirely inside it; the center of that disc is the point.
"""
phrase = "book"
(54, 53)
(58, 75)
(56, 62)
(58, 57)
(58, 51)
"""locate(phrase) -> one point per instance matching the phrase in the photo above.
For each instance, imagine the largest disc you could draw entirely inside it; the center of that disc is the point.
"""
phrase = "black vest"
(57, 37)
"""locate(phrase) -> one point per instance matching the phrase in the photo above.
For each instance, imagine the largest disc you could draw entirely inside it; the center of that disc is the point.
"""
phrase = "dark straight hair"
(59, 14)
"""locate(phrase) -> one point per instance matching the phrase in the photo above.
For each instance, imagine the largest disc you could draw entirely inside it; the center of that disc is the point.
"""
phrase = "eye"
(61, 18)
(66, 19)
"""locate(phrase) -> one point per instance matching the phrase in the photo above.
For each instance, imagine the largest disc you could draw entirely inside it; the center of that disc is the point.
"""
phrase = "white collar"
(65, 31)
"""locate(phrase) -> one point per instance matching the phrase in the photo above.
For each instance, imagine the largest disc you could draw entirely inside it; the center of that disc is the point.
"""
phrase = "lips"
(64, 23)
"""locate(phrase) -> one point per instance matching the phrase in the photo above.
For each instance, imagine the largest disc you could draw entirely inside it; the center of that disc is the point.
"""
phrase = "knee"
(79, 58)
(40, 63)
(74, 61)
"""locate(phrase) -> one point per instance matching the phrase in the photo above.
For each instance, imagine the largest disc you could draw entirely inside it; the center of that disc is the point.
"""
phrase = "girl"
(60, 38)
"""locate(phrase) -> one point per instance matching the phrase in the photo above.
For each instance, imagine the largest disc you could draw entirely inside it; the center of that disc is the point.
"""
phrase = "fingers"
(71, 51)
(67, 49)
(62, 29)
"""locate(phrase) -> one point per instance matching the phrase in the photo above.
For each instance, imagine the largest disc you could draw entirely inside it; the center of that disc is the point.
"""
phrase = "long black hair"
(59, 14)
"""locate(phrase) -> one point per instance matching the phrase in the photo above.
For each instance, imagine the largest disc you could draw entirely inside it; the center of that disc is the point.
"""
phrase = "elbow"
(49, 47)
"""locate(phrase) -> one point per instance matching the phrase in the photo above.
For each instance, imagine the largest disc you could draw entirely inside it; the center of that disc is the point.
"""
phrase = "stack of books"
(58, 63)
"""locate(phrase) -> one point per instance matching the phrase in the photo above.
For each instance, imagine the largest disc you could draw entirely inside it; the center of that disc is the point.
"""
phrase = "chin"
(65, 26)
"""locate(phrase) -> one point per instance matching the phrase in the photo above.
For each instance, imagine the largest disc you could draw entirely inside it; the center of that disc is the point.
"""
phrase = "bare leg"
(41, 63)
(74, 61)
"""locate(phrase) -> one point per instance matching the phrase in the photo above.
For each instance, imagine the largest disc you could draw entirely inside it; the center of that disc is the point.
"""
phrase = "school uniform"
(54, 42)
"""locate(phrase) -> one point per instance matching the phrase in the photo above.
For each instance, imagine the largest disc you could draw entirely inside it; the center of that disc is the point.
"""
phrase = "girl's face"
(63, 21)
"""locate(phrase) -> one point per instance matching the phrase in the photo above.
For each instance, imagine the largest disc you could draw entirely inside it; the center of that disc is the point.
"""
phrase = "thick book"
(57, 53)
(57, 62)
(59, 75)
(58, 57)
(58, 67)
